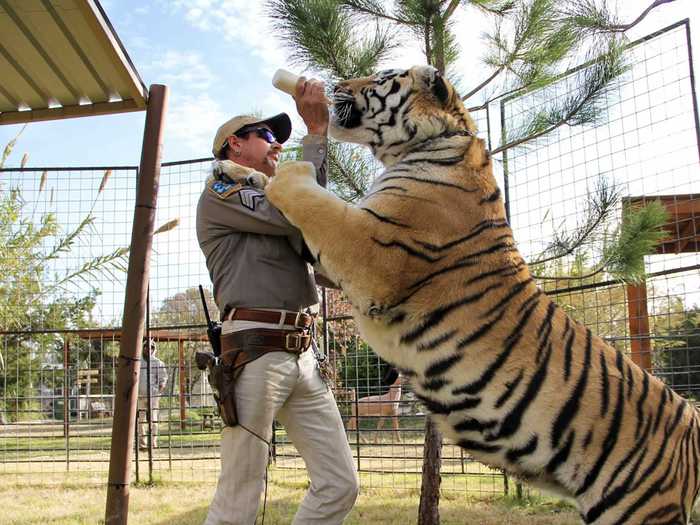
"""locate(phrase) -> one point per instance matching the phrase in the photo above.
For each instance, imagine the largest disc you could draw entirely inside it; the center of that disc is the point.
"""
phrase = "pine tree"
(532, 43)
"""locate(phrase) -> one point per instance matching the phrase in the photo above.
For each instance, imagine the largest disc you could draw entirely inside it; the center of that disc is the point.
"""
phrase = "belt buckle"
(298, 321)
(294, 337)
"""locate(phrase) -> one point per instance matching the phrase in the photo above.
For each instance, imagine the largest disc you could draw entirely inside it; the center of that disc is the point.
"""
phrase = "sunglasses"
(263, 133)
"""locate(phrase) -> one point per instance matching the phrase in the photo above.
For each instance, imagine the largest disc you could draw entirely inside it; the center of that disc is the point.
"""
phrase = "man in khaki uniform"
(264, 287)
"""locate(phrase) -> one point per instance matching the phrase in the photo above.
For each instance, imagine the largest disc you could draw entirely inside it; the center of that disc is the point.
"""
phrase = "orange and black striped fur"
(440, 290)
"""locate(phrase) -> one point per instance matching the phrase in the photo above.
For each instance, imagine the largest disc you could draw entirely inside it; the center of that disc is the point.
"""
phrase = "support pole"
(66, 397)
(128, 365)
(639, 325)
(428, 508)
(181, 374)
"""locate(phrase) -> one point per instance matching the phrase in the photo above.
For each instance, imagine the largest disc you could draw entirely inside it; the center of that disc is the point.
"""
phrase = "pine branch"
(373, 9)
(538, 42)
(321, 35)
(544, 36)
(454, 4)
(446, 48)
(600, 205)
(483, 84)
(349, 171)
(600, 269)
(639, 234)
(584, 107)
(495, 7)
(623, 257)
(589, 14)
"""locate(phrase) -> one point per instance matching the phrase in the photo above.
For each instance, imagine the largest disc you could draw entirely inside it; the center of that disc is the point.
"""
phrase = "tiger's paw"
(292, 170)
(240, 174)
(288, 176)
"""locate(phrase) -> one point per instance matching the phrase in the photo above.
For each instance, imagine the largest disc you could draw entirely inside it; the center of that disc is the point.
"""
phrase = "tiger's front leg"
(338, 235)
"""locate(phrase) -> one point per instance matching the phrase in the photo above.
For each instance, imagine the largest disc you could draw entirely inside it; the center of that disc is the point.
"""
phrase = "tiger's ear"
(439, 88)
(435, 82)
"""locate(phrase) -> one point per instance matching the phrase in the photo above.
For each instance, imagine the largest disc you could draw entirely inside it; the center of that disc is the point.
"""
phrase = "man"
(158, 380)
(264, 288)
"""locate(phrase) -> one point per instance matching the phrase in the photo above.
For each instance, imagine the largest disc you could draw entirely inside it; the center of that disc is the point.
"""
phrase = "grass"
(186, 504)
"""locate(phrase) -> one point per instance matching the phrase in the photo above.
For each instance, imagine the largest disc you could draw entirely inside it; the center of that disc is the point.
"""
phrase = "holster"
(222, 378)
(243, 347)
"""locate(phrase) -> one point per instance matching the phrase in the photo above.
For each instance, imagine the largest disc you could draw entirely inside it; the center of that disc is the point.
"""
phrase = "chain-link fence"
(63, 256)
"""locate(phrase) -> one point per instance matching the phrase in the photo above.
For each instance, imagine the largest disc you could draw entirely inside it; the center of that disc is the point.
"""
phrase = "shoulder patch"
(224, 190)
(249, 197)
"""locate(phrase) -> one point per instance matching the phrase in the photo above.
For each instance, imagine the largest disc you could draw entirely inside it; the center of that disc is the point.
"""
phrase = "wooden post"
(128, 364)
(66, 397)
(181, 358)
(428, 509)
(639, 324)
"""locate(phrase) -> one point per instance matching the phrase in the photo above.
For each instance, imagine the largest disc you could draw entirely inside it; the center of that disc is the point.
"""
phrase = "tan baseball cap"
(281, 126)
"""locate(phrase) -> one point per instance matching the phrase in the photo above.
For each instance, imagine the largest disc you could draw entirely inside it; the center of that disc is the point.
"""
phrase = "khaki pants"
(282, 385)
(143, 421)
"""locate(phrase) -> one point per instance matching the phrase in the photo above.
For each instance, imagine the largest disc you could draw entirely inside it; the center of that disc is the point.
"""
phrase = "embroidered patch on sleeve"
(249, 197)
(224, 190)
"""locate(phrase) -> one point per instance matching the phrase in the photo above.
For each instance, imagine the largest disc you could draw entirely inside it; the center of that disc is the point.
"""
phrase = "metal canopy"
(61, 59)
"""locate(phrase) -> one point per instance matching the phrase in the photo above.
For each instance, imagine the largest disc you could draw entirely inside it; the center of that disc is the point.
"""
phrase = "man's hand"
(312, 105)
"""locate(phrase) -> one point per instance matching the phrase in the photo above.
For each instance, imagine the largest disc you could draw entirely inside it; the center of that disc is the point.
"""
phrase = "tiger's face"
(394, 109)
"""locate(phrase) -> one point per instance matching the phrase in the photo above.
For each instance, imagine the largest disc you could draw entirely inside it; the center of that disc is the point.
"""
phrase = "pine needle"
(639, 234)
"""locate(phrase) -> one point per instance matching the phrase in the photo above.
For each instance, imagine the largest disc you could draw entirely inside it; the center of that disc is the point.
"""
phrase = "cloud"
(241, 22)
(193, 113)
(190, 124)
(182, 70)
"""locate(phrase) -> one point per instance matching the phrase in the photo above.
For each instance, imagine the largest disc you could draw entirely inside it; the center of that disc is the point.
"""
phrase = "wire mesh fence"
(63, 291)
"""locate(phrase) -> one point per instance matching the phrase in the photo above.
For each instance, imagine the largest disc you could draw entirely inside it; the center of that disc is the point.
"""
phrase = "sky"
(217, 58)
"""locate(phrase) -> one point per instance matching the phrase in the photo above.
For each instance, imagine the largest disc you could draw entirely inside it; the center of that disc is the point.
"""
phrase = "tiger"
(439, 289)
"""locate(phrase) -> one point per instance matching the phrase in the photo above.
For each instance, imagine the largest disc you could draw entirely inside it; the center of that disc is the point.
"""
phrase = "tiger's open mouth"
(345, 113)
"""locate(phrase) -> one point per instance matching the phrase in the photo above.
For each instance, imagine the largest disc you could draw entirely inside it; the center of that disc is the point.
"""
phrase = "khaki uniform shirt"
(252, 252)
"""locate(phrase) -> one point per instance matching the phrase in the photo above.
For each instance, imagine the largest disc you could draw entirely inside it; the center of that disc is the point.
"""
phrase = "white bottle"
(285, 81)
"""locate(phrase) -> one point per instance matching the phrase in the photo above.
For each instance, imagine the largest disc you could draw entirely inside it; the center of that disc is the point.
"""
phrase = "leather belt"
(264, 340)
(299, 320)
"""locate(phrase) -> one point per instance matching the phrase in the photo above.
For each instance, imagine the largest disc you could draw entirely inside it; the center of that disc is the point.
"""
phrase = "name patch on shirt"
(224, 190)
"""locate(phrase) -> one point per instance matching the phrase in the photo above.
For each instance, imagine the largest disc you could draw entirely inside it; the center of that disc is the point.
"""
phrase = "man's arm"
(312, 106)
(315, 151)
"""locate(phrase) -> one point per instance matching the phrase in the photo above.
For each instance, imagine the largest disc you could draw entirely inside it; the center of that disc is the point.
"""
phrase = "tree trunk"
(428, 511)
